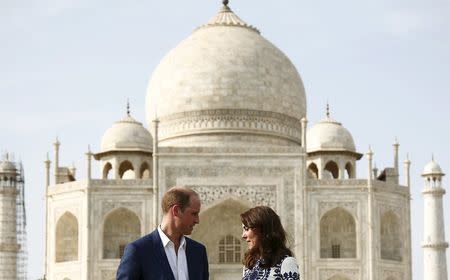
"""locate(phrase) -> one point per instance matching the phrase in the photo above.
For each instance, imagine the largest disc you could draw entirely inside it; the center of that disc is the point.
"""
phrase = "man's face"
(190, 216)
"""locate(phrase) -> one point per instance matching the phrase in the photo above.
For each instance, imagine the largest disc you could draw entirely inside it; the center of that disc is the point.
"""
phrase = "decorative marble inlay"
(5, 247)
(349, 206)
(442, 245)
(385, 208)
(392, 273)
(230, 120)
(255, 194)
(145, 183)
(108, 206)
(108, 275)
(60, 211)
(352, 274)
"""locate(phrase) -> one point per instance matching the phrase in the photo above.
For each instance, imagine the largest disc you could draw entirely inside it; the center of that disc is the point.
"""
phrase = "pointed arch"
(390, 235)
(313, 171)
(66, 238)
(126, 170)
(332, 168)
(107, 170)
(349, 170)
(225, 218)
(120, 227)
(144, 171)
(337, 234)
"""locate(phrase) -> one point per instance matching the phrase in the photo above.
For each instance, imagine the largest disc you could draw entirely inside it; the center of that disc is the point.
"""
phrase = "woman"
(267, 257)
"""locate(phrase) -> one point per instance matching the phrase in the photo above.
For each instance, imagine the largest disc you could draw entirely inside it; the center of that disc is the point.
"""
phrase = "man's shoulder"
(147, 240)
(195, 244)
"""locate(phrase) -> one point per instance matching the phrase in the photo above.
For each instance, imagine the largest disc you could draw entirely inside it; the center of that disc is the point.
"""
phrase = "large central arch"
(219, 223)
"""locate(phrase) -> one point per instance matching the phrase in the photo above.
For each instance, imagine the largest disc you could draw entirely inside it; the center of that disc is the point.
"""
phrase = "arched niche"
(349, 171)
(144, 171)
(313, 171)
(107, 171)
(66, 238)
(337, 234)
(126, 170)
(332, 168)
(217, 222)
(390, 235)
(121, 226)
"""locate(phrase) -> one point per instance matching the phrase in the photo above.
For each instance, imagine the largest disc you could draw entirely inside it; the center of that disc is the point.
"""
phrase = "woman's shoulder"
(289, 262)
(287, 269)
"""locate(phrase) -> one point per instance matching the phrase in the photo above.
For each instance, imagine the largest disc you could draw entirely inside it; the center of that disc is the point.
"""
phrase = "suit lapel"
(190, 259)
(161, 256)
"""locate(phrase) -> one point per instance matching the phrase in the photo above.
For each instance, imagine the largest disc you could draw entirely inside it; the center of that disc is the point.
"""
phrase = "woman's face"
(250, 236)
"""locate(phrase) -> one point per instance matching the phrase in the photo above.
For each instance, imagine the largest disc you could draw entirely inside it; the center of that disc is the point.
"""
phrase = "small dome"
(329, 135)
(7, 167)
(432, 168)
(127, 135)
(226, 78)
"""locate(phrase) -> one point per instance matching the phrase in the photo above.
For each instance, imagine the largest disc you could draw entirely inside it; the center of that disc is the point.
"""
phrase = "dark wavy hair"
(267, 226)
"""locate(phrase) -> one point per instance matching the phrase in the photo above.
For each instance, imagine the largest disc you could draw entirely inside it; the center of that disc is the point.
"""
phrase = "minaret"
(396, 146)
(434, 245)
(9, 247)
(370, 214)
(57, 144)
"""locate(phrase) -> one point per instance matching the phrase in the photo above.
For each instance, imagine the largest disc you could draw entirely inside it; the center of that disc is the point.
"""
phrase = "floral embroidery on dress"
(272, 273)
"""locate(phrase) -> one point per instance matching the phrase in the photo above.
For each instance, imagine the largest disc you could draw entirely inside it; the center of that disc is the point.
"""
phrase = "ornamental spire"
(226, 17)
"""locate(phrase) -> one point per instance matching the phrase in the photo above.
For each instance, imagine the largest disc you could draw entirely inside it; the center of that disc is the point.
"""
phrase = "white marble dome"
(7, 167)
(329, 135)
(432, 168)
(127, 135)
(226, 78)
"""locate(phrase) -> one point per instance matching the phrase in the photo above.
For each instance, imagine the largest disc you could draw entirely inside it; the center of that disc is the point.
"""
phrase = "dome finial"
(128, 107)
(225, 2)
(328, 110)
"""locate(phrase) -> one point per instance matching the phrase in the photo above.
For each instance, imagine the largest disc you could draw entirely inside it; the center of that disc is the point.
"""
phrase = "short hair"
(177, 195)
(266, 224)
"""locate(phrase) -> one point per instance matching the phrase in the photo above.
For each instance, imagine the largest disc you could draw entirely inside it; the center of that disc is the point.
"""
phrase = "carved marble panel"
(108, 206)
(108, 275)
(350, 206)
(352, 274)
(255, 194)
(384, 208)
(229, 120)
(398, 275)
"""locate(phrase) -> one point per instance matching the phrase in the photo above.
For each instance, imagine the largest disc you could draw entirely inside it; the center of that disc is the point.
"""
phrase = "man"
(167, 253)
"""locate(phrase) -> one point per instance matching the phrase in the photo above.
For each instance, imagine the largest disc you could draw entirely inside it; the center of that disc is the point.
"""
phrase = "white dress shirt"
(177, 262)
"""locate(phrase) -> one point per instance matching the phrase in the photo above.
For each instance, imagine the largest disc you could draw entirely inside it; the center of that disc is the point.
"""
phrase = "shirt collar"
(165, 240)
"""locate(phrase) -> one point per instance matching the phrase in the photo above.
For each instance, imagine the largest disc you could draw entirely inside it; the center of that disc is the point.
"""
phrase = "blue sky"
(67, 68)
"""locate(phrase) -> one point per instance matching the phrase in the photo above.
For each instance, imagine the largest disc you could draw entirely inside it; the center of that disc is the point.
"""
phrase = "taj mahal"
(226, 116)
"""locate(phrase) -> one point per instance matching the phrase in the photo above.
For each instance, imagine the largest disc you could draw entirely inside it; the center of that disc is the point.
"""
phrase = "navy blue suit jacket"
(145, 259)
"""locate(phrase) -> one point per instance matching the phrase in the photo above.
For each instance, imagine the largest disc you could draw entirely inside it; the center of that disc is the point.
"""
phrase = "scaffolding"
(21, 226)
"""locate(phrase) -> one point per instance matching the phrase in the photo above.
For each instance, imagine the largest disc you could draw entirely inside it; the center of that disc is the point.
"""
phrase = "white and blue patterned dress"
(287, 269)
